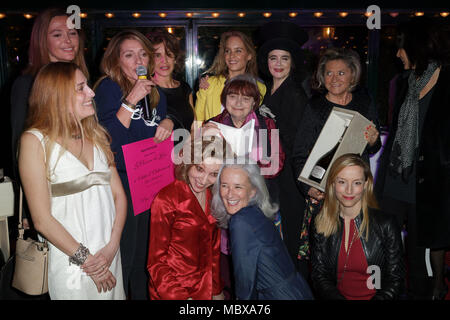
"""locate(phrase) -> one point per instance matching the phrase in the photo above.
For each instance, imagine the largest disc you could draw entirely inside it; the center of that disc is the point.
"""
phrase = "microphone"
(141, 72)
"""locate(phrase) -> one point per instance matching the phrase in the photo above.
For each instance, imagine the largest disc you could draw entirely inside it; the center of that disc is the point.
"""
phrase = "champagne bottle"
(321, 166)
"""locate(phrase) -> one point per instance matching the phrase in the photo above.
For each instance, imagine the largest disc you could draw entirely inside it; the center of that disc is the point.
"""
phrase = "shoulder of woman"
(107, 84)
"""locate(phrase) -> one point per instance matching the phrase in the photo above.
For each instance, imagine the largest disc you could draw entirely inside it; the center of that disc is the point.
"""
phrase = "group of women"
(212, 233)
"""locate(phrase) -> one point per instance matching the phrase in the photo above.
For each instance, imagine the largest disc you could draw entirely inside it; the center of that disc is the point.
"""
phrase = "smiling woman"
(50, 41)
(350, 235)
(72, 186)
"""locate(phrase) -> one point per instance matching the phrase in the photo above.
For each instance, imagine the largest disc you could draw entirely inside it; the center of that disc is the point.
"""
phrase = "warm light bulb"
(393, 14)
(241, 14)
(170, 30)
(293, 14)
(215, 14)
(419, 14)
(2, 15)
(162, 14)
(109, 15)
(318, 14)
(83, 15)
(28, 16)
(136, 15)
(368, 14)
(343, 14)
(189, 14)
(267, 14)
(444, 14)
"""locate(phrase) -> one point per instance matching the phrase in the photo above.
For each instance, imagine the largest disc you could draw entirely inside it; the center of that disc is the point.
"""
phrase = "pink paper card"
(149, 169)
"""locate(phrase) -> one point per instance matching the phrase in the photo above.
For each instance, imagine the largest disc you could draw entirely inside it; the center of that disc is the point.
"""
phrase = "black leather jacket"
(383, 249)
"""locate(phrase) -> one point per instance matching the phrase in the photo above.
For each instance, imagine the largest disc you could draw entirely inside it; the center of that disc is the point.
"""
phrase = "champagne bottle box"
(344, 129)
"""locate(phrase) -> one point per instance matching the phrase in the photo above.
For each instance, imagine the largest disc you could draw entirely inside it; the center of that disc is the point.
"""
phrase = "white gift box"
(353, 141)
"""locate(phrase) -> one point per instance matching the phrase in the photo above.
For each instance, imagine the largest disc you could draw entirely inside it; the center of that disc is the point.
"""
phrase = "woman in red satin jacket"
(184, 247)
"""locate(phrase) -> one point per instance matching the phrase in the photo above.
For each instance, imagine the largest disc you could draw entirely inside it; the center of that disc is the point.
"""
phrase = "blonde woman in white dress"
(73, 190)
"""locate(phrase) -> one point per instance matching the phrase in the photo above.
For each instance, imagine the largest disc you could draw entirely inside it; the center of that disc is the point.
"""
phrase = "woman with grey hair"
(263, 269)
(336, 79)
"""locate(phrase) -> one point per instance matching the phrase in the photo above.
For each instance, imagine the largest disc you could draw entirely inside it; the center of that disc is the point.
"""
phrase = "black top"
(179, 110)
(287, 103)
(20, 93)
(383, 248)
(316, 114)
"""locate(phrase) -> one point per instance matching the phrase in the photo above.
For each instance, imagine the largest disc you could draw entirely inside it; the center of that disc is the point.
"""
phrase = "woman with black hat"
(278, 57)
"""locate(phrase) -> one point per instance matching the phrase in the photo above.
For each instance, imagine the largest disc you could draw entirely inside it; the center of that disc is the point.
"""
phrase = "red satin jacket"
(184, 248)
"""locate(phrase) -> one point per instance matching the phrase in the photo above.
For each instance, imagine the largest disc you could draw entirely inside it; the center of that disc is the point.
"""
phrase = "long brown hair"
(219, 66)
(51, 100)
(327, 221)
(110, 65)
(38, 51)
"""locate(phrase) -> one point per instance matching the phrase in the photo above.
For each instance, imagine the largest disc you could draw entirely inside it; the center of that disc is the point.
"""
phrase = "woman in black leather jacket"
(356, 250)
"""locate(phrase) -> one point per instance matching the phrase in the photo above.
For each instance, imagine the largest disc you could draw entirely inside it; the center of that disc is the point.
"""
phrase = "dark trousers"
(418, 282)
(134, 252)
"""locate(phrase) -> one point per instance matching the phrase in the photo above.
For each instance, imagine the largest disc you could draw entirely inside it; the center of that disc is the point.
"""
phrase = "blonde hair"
(38, 54)
(327, 221)
(51, 99)
(219, 66)
(110, 65)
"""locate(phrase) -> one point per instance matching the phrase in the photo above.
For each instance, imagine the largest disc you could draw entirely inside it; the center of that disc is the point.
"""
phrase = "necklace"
(348, 253)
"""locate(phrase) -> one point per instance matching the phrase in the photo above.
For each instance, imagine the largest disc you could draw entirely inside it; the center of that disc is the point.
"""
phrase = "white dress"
(82, 201)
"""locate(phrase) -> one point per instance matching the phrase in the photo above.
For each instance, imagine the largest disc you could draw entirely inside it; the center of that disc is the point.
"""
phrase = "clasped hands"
(97, 267)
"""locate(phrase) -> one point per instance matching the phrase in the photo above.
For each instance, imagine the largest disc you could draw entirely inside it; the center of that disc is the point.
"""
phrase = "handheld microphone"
(141, 72)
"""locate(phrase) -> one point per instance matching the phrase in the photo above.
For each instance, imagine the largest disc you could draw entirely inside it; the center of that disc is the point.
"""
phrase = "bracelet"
(80, 256)
(129, 104)
(127, 107)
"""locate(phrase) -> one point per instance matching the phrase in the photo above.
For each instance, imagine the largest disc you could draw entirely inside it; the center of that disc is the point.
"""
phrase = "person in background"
(169, 61)
(356, 250)
(236, 56)
(51, 41)
(413, 173)
(120, 103)
(74, 192)
(336, 78)
(263, 269)
(184, 248)
(280, 58)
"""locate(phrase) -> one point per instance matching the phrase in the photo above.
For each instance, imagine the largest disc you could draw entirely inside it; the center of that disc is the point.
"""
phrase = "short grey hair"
(348, 56)
(261, 198)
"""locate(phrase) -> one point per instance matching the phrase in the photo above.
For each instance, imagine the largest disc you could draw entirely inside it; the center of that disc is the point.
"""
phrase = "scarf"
(406, 141)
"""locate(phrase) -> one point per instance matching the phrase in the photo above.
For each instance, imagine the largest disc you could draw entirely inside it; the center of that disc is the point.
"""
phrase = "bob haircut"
(197, 150)
(261, 198)
(219, 66)
(38, 50)
(52, 98)
(171, 46)
(348, 56)
(110, 65)
(327, 221)
(244, 84)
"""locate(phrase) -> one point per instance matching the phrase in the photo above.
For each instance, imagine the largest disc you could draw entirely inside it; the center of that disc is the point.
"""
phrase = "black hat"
(280, 35)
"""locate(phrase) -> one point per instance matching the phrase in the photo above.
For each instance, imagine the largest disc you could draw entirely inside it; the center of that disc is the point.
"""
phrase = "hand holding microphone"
(141, 88)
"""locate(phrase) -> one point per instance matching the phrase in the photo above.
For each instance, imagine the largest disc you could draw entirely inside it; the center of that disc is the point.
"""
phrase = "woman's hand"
(371, 134)
(220, 296)
(105, 282)
(96, 265)
(210, 129)
(164, 130)
(141, 88)
(315, 195)
(204, 84)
